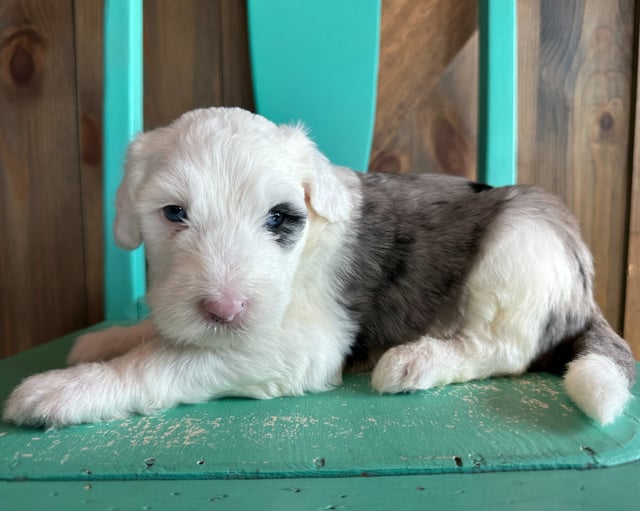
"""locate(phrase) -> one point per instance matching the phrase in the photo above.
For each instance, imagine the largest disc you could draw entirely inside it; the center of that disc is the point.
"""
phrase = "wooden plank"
(418, 40)
(632, 301)
(42, 278)
(498, 424)
(88, 18)
(236, 64)
(632, 304)
(576, 68)
(586, 490)
(182, 58)
(439, 133)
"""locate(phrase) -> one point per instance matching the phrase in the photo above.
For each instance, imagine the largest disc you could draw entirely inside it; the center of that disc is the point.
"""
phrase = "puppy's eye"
(176, 214)
(275, 219)
(286, 223)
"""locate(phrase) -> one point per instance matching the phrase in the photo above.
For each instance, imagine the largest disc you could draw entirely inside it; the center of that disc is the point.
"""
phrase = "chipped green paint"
(493, 425)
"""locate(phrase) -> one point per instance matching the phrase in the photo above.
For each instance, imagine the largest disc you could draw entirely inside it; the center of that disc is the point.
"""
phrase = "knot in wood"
(452, 149)
(389, 161)
(606, 121)
(21, 65)
(21, 57)
(90, 139)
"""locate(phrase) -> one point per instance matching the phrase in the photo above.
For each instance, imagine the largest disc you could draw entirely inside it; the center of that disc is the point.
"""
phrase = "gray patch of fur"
(415, 242)
(564, 342)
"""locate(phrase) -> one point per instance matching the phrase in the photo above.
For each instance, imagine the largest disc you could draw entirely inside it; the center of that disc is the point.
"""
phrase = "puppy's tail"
(600, 372)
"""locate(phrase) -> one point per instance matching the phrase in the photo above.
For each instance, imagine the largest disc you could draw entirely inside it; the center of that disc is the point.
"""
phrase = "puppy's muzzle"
(224, 311)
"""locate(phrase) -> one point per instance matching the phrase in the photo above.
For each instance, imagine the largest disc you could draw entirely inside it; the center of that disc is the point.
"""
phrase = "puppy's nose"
(224, 310)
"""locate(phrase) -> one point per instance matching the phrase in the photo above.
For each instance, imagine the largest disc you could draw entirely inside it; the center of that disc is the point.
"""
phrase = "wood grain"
(88, 20)
(196, 56)
(182, 58)
(575, 95)
(439, 133)
(632, 301)
(418, 41)
(632, 304)
(236, 64)
(42, 280)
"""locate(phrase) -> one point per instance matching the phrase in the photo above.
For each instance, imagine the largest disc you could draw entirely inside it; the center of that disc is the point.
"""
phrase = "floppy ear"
(328, 195)
(126, 227)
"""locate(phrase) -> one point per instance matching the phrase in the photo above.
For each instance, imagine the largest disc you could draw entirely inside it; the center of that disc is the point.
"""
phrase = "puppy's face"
(222, 200)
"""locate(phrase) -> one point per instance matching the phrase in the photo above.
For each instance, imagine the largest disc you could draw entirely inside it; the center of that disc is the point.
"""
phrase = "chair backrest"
(497, 92)
(125, 280)
(314, 61)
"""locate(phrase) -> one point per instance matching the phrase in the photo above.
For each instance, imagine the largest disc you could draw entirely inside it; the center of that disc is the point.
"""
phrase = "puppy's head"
(221, 199)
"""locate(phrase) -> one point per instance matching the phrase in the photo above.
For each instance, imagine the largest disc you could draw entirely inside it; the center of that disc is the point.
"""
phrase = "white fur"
(598, 387)
(293, 337)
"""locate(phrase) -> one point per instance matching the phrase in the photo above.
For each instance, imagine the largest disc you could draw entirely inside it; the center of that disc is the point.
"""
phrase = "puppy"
(271, 270)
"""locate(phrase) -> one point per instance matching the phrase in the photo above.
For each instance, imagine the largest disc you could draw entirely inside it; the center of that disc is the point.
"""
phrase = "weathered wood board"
(632, 296)
(575, 111)
(42, 250)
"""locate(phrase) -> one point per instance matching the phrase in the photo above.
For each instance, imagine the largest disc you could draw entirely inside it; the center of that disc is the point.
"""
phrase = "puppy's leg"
(431, 362)
(109, 343)
(506, 310)
(150, 377)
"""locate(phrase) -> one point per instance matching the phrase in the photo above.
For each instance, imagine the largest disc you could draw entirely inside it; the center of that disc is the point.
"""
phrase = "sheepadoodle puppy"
(271, 271)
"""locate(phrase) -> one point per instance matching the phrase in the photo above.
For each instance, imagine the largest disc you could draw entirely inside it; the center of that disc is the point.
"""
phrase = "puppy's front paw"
(58, 398)
(404, 368)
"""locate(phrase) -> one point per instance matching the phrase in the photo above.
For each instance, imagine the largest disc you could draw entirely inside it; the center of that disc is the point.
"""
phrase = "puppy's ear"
(328, 195)
(126, 226)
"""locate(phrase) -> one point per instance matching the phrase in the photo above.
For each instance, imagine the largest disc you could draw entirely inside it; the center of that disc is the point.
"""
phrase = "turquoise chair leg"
(124, 271)
(316, 61)
(498, 100)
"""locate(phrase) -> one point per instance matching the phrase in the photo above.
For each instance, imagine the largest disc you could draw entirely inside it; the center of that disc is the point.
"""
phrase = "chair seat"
(503, 424)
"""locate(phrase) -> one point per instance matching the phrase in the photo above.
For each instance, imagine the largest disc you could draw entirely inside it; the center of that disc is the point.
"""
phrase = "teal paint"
(501, 424)
(498, 99)
(124, 270)
(563, 490)
(316, 61)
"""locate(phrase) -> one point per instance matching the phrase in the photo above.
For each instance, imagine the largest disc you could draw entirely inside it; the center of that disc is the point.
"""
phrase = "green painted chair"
(501, 443)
